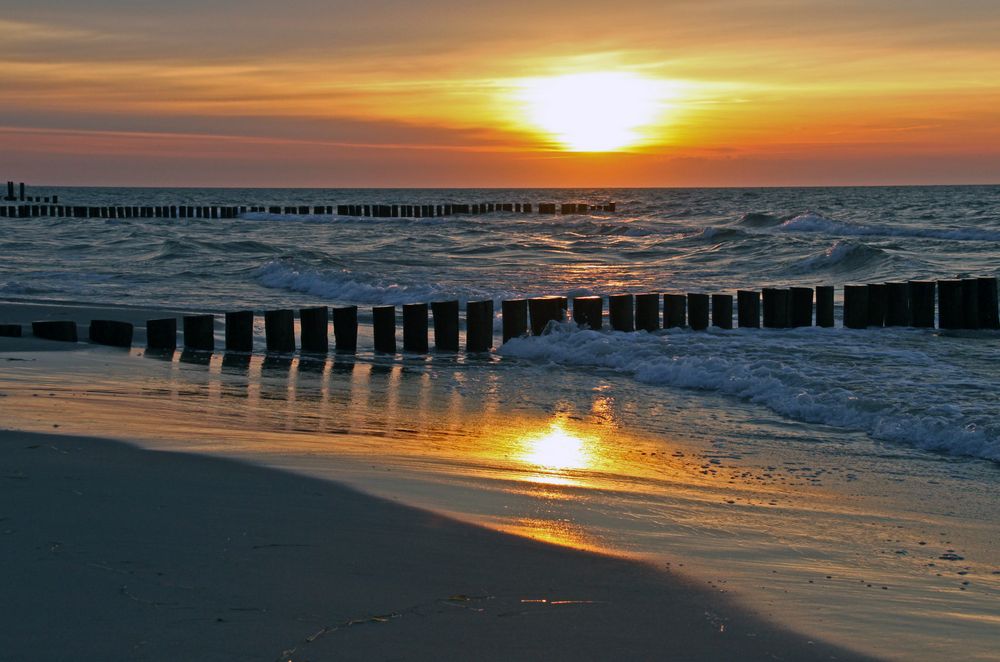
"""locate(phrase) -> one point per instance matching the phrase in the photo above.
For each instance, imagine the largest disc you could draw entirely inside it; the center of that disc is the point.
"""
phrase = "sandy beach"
(118, 553)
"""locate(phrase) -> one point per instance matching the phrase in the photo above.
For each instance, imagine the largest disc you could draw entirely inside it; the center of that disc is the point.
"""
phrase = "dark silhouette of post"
(800, 311)
(876, 304)
(479, 326)
(987, 304)
(855, 306)
(748, 309)
(970, 303)
(314, 330)
(722, 311)
(897, 304)
(111, 332)
(62, 330)
(279, 331)
(199, 332)
(161, 334)
(588, 311)
(698, 305)
(384, 327)
(514, 313)
(674, 311)
(950, 314)
(824, 305)
(922, 303)
(10, 330)
(345, 329)
(777, 308)
(647, 312)
(621, 312)
(239, 331)
(445, 325)
(544, 310)
(415, 326)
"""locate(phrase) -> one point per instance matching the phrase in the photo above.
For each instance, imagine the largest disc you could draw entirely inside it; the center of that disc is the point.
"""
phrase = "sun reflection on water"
(557, 451)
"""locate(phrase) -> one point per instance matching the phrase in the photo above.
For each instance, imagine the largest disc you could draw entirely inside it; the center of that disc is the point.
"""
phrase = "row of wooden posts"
(969, 303)
(236, 211)
(11, 197)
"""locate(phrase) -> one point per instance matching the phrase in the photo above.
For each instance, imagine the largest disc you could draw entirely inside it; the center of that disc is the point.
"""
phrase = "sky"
(449, 93)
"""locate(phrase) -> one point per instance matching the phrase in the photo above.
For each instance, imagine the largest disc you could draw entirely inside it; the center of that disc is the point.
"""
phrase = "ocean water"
(917, 388)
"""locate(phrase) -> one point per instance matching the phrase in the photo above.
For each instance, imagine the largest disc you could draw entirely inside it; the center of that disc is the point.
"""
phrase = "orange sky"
(393, 93)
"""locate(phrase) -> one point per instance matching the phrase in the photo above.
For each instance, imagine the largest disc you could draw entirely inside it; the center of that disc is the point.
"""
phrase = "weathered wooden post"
(647, 312)
(21, 191)
(897, 304)
(876, 304)
(111, 332)
(239, 331)
(62, 330)
(722, 311)
(345, 329)
(698, 306)
(543, 310)
(161, 334)
(199, 332)
(970, 303)
(800, 302)
(824, 305)
(922, 303)
(445, 325)
(10, 192)
(279, 331)
(621, 312)
(777, 307)
(674, 311)
(515, 318)
(479, 326)
(588, 311)
(415, 326)
(987, 304)
(748, 309)
(384, 328)
(950, 315)
(10, 330)
(855, 306)
(314, 330)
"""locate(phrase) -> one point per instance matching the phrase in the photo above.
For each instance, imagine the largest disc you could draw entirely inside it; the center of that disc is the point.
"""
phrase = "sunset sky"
(454, 93)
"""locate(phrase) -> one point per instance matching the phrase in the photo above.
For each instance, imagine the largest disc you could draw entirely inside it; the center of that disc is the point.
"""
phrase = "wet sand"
(113, 552)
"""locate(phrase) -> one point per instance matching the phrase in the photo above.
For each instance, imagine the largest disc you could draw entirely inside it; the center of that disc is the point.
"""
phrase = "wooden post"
(314, 330)
(987, 304)
(970, 303)
(922, 303)
(62, 330)
(546, 208)
(111, 332)
(10, 330)
(588, 312)
(515, 318)
(800, 312)
(621, 312)
(21, 190)
(855, 306)
(897, 304)
(161, 334)
(544, 310)
(345, 329)
(10, 192)
(479, 326)
(199, 332)
(279, 331)
(384, 323)
(239, 331)
(950, 315)
(748, 309)
(415, 328)
(824, 306)
(445, 325)
(722, 311)
(876, 304)
(674, 311)
(647, 312)
(776, 307)
(697, 311)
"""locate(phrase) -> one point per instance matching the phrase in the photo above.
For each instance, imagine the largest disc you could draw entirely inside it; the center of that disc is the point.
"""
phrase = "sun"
(594, 112)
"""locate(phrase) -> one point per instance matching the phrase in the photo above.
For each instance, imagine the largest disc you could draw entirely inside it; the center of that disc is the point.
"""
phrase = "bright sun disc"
(594, 112)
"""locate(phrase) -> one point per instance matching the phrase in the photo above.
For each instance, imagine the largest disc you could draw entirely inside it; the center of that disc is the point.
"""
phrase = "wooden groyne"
(966, 303)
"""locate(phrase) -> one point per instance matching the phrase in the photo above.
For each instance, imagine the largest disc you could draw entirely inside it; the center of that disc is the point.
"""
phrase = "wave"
(764, 370)
(755, 219)
(843, 256)
(815, 222)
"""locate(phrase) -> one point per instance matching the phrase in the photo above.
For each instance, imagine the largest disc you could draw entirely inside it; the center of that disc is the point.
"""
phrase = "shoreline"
(125, 553)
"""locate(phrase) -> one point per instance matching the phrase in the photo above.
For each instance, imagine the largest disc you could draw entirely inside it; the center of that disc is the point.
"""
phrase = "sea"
(845, 481)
